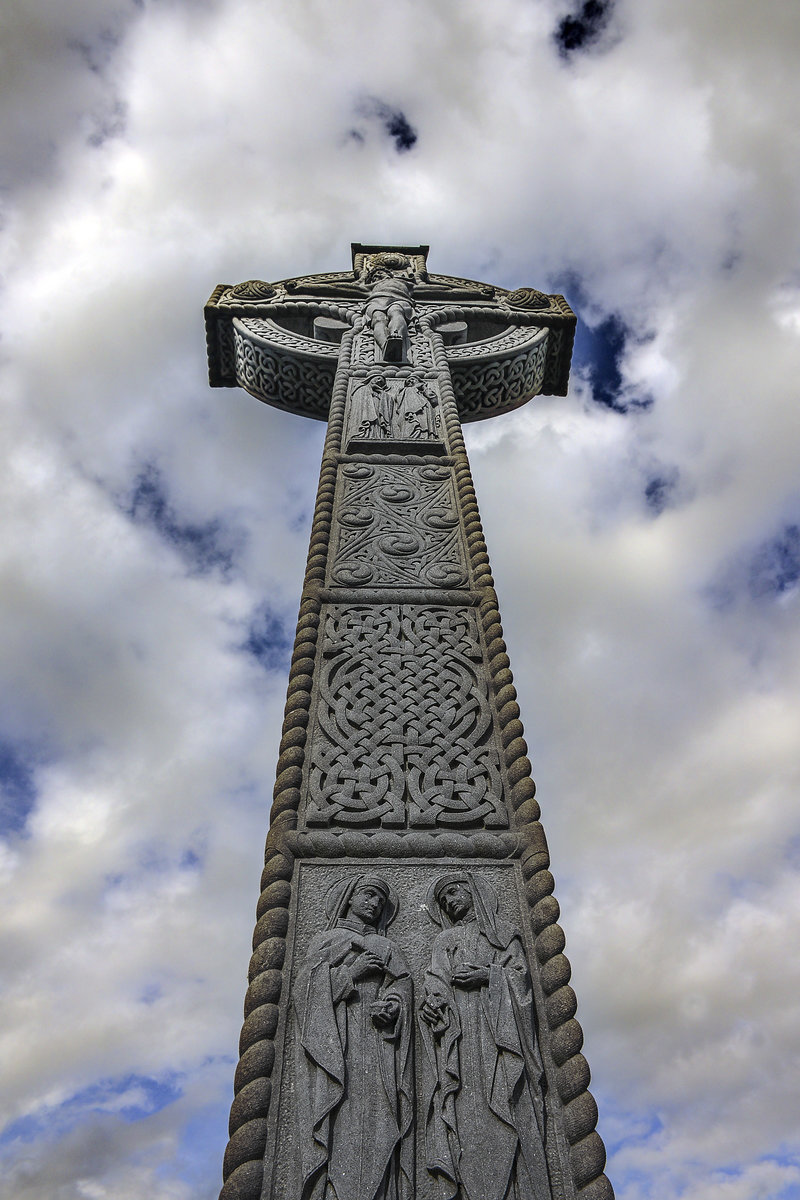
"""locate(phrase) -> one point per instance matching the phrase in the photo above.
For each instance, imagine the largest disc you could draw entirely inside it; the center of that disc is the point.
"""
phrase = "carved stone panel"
(397, 526)
(393, 413)
(485, 386)
(412, 1026)
(273, 370)
(403, 733)
(353, 1025)
(356, 773)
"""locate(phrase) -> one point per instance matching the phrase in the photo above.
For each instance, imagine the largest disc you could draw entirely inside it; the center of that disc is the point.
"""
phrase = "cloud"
(642, 531)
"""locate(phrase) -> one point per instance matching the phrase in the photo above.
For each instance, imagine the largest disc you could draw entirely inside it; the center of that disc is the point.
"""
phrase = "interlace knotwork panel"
(365, 352)
(493, 386)
(403, 733)
(281, 377)
(397, 526)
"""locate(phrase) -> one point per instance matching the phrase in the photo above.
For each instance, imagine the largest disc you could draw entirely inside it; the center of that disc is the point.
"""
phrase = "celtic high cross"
(409, 1026)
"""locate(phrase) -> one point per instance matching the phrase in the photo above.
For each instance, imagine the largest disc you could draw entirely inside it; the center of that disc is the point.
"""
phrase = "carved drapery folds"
(482, 1075)
(354, 1078)
(398, 413)
(440, 1056)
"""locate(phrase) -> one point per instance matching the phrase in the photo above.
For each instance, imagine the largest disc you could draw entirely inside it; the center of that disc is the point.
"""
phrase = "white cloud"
(161, 149)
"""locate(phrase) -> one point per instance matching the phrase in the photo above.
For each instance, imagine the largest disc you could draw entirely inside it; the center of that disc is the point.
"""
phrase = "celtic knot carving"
(268, 330)
(494, 385)
(453, 774)
(527, 298)
(397, 526)
(517, 337)
(227, 365)
(403, 733)
(252, 290)
(283, 378)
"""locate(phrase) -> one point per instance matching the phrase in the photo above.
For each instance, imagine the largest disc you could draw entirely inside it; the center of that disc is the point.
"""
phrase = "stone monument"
(409, 1026)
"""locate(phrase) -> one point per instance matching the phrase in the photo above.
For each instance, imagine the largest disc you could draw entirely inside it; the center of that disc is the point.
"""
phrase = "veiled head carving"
(337, 901)
(484, 905)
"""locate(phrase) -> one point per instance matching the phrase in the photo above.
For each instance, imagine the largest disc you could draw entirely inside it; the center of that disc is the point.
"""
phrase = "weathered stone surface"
(409, 1026)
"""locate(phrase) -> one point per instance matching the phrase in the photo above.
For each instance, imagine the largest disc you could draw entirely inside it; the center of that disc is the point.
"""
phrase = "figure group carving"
(380, 411)
(481, 1073)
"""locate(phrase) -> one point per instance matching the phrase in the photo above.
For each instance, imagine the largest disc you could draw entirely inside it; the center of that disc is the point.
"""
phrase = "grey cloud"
(664, 732)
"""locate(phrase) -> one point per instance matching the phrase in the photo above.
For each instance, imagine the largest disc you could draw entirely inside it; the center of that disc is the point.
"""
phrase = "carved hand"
(385, 1013)
(368, 963)
(470, 977)
(433, 1013)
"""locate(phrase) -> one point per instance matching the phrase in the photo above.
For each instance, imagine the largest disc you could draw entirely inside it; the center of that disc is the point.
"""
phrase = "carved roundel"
(354, 574)
(397, 494)
(253, 291)
(357, 518)
(399, 543)
(440, 518)
(527, 298)
(445, 575)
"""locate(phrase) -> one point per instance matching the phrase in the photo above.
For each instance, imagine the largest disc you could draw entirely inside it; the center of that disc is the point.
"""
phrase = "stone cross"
(409, 1026)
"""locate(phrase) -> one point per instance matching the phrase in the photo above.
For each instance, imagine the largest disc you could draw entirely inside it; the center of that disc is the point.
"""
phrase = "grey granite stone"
(409, 1029)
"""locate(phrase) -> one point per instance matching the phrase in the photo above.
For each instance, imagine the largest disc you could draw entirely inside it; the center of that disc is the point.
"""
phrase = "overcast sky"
(640, 157)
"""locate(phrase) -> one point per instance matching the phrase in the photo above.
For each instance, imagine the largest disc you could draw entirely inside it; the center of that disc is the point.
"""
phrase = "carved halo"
(386, 260)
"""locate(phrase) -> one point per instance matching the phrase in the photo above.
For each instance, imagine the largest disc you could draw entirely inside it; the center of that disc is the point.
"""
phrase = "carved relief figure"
(389, 309)
(482, 1069)
(354, 1069)
(417, 411)
(410, 412)
(372, 407)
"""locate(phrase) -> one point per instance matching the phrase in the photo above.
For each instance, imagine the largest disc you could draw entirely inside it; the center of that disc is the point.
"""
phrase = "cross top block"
(281, 341)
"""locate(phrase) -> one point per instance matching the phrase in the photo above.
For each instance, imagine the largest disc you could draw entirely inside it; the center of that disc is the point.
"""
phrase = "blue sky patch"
(393, 122)
(268, 640)
(775, 566)
(600, 351)
(660, 489)
(204, 546)
(767, 572)
(202, 1144)
(600, 348)
(581, 29)
(17, 789)
(131, 1097)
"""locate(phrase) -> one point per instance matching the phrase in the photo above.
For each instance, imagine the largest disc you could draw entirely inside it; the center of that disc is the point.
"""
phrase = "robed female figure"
(482, 1070)
(354, 1070)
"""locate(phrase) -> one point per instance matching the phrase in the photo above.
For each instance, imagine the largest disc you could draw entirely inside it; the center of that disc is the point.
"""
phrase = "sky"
(640, 157)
